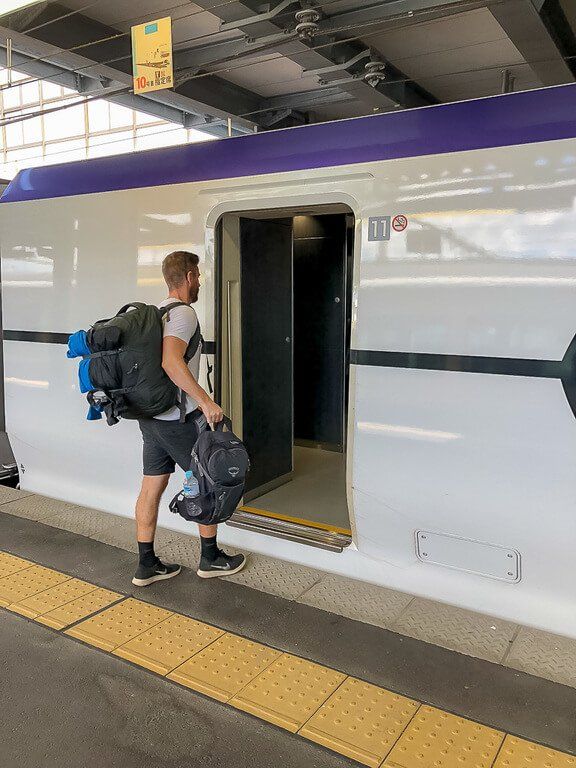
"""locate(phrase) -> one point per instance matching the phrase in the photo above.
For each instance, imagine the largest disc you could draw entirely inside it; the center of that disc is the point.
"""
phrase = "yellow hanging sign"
(152, 65)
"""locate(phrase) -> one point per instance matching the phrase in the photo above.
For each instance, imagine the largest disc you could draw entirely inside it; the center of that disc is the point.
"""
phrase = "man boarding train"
(168, 440)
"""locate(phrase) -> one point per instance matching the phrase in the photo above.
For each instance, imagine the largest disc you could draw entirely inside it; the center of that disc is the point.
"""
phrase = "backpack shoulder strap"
(126, 307)
(165, 311)
(197, 341)
(193, 344)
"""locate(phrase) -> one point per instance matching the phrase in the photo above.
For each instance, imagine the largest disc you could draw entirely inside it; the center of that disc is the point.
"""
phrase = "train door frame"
(311, 205)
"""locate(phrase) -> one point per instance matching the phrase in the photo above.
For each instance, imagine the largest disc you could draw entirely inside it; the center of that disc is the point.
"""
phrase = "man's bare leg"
(153, 486)
(150, 568)
(207, 531)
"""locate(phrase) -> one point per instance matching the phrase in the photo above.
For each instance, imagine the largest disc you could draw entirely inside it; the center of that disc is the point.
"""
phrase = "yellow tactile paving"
(436, 738)
(118, 624)
(224, 668)
(357, 719)
(289, 691)
(10, 564)
(169, 643)
(28, 582)
(52, 598)
(518, 753)
(361, 721)
(77, 609)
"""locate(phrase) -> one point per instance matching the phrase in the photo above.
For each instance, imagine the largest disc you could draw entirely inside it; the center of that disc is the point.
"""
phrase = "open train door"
(257, 384)
(282, 311)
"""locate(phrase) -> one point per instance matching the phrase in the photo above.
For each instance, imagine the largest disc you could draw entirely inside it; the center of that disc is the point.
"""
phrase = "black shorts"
(167, 443)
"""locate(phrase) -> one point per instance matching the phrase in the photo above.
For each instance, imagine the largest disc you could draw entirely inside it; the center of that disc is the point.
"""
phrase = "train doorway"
(283, 343)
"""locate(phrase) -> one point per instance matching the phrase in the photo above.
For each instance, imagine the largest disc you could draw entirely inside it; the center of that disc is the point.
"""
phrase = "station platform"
(277, 664)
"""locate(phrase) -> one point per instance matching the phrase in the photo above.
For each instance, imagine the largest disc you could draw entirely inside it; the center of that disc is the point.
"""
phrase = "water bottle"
(190, 488)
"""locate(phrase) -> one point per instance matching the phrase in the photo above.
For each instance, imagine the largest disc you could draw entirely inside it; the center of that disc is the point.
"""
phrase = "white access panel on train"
(470, 556)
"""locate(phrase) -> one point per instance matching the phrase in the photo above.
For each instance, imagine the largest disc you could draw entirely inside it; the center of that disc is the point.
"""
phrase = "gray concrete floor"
(66, 705)
(484, 637)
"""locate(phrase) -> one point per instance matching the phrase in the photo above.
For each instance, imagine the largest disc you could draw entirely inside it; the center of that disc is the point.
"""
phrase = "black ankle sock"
(146, 553)
(210, 549)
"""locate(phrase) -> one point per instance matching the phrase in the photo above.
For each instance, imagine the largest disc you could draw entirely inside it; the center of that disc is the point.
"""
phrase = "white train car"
(391, 302)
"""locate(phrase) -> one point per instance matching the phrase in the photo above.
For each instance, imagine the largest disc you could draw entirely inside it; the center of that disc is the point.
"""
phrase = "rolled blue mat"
(77, 346)
(84, 375)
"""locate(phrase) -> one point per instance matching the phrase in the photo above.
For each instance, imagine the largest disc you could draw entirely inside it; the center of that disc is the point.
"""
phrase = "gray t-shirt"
(182, 324)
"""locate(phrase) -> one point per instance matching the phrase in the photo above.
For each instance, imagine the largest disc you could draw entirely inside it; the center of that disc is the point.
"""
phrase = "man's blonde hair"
(176, 266)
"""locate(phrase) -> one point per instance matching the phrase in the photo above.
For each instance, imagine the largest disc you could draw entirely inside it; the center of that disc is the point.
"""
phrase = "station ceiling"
(267, 65)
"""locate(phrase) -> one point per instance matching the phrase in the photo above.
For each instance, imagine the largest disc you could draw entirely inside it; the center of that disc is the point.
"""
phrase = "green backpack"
(125, 364)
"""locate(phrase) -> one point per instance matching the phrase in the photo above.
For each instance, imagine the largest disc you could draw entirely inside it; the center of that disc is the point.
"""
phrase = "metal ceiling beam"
(91, 86)
(222, 96)
(273, 38)
(385, 9)
(260, 23)
(292, 105)
(206, 96)
(217, 96)
(28, 66)
(166, 105)
(339, 60)
(211, 95)
(307, 99)
(525, 27)
(172, 115)
(272, 119)
(260, 16)
(219, 53)
(268, 36)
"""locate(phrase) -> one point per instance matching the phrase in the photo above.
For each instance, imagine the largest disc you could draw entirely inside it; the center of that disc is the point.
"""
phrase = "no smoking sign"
(399, 223)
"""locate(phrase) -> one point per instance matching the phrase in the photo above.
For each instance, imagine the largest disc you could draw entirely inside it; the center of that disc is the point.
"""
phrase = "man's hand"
(211, 411)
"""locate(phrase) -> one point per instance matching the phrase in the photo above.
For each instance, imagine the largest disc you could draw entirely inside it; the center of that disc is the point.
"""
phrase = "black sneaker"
(146, 575)
(224, 565)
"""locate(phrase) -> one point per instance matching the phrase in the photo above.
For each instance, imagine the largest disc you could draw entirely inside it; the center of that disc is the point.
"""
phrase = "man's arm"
(173, 363)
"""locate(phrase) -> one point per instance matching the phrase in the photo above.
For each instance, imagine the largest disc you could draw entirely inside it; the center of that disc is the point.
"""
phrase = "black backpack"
(220, 463)
(126, 364)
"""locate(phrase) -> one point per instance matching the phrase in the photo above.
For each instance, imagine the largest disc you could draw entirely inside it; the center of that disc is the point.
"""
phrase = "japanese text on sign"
(152, 65)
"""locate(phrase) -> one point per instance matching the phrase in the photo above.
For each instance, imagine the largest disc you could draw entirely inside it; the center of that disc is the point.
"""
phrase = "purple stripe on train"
(519, 118)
